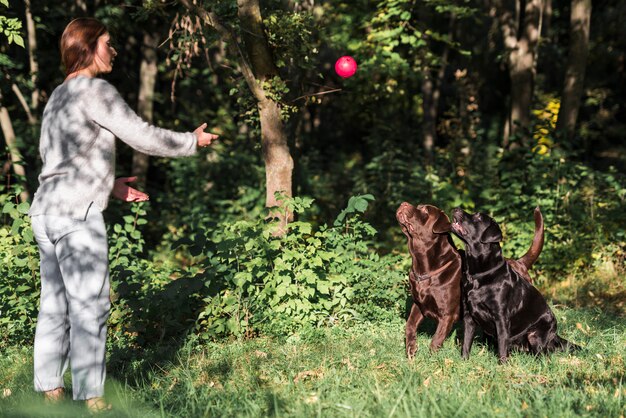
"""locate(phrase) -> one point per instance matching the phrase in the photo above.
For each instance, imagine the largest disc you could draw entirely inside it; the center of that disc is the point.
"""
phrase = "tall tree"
(145, 101)
(9, 137)
(32, 55)
(276, 153)
(431, 93)
(520, 29)
(258, 68)
(580, 19)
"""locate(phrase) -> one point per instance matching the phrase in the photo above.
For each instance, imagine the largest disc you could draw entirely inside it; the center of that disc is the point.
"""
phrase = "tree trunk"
(521, 34)
(145, 105)
(16, 158)
(430, 114)
(32, 55)
(580, 19)
(278, 159)
(547, 18)
(431, 92)
(257, 66)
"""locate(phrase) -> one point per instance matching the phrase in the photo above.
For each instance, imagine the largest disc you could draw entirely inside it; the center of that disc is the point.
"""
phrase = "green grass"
(355, 372)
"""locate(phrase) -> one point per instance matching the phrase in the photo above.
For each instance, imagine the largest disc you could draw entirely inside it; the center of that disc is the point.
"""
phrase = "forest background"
(288, 222)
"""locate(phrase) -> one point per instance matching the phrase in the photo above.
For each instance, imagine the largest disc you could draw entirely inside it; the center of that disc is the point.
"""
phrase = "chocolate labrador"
(436, 269)
(435, 275)
(498, 298)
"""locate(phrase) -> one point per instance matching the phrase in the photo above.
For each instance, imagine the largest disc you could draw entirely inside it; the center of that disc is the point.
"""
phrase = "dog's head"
(422, 222)
(477, 229)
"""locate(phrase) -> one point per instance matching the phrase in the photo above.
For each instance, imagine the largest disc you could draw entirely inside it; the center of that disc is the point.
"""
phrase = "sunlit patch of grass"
(603, 288)
(361, 372)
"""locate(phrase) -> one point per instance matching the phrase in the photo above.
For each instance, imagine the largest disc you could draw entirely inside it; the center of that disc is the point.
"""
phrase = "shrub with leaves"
(257, 282)
(19, 269)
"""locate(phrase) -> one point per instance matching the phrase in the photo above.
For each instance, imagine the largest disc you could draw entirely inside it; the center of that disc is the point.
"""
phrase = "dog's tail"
(533, 252)
(561, 344)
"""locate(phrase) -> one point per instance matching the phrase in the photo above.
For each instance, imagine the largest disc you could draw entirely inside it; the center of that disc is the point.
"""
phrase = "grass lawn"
(359, 371)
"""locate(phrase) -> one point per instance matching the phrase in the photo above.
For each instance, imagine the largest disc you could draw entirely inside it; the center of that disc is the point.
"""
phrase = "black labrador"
(496, 298)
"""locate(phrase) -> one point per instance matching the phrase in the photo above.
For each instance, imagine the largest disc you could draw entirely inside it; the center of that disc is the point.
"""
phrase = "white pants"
(74, 305)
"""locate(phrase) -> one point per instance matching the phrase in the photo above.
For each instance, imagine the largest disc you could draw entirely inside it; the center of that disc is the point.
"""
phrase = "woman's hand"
(204, 138)
(123, 191)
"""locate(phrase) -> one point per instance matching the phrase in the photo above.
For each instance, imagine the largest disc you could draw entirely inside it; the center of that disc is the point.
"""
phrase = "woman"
(77, 146)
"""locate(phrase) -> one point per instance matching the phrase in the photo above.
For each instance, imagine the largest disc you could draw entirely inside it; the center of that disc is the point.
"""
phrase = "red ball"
(345, 66)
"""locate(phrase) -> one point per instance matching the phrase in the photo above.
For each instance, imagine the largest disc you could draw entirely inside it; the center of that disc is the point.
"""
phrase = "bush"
(19, 269)
(257, 282)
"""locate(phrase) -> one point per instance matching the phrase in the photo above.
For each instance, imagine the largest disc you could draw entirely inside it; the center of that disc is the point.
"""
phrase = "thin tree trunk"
(430, 114)
(257, 65)
(32, 55)
(431, 92)
(145, 105)
(20, 97)
(16, 158)
(547, 18)
(521, 34)
(278, 159)
(580, 19)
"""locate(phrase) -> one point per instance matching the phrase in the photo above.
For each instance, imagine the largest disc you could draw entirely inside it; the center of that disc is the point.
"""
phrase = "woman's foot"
(97, 405)
(54, 395)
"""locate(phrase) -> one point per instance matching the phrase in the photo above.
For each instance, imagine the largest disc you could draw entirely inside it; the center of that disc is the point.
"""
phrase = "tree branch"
(213, 20)
(31, 119)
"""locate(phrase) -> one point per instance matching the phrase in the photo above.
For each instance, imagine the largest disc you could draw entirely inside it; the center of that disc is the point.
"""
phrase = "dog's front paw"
(411, 349)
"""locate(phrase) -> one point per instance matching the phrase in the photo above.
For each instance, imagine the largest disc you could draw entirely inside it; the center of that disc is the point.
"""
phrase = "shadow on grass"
(28, 404)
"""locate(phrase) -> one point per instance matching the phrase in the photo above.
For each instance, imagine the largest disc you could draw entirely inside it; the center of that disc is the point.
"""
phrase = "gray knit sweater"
(77, 146)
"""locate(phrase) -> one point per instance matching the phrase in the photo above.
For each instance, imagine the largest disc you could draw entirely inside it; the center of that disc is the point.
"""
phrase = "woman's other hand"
(123, 191)
(204, 138)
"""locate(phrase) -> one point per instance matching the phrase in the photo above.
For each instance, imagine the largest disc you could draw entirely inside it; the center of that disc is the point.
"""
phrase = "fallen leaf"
(524, 406)
(216, 385)
(260, 354)
(426, 382)
(305, 374)
(312, 398)
(346, 362)
(6, 393)
(380, 366)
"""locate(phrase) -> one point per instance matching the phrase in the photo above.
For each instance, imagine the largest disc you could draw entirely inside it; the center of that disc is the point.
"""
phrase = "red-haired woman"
(77, 146)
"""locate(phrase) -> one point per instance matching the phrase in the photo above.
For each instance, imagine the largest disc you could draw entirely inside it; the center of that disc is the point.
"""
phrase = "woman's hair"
(79, 42)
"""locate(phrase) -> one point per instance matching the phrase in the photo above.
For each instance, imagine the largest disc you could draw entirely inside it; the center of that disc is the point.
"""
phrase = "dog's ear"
(442, 224)
(492, 234)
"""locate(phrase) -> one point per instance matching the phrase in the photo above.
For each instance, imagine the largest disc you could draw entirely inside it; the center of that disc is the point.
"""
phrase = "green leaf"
(18, 40)
(233, 325)
(361, 205)
(23, 208)
(323, 288)
(8, 207)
